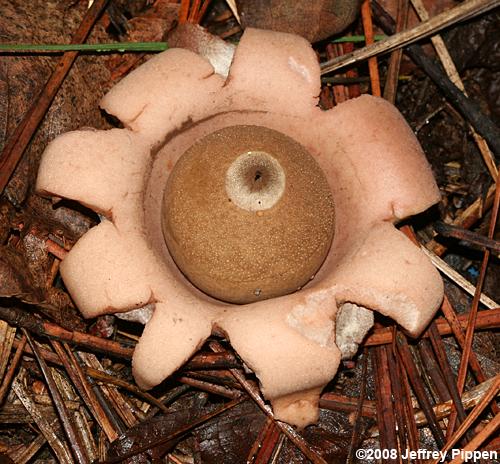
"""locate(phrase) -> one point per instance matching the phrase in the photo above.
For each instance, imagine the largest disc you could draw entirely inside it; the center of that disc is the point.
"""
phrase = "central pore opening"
(255, 181)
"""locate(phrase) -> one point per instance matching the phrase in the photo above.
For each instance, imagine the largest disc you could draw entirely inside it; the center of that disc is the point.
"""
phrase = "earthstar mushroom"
(367, 163)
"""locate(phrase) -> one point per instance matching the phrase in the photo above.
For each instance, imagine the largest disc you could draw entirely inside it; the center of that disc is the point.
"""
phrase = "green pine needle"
(357, 38)
(123, 47)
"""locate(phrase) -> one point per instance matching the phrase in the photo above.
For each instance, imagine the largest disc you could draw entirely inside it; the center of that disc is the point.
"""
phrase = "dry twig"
(366, 16)
(452, 72)
(18, 142)
(254, 393)
(60, 449)
(68, 426)
(466, 10)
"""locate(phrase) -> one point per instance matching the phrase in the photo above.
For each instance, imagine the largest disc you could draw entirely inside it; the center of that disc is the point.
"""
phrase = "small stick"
(296, 439)
(220, 390)
(458, 327)
(488, 397)
(385, 412)
(339, 90)
(410, 416)
(58, 251)
(18, 142)
(452, 72)
(467, 218)
(359, 410)
(115, 398)
(78, 416)
(234, 9)
(220, 377)
(349, 79)
(466, 235)
(212, 361)
(490, 429)
(471, 321)
(202, 11)
(107, 378)
(177, 434)
(73, 437)
(438, 347)
(167, 398)
(391, 83)
(487, 319)
(258, 441)
(269, 440)
(49, 356)
(114, 417)
(25, 454)
(418, 387)
(469, 109)
(78, 378)
(7, 335)
(394, 369)
(19, 318)
(425, 120)
(366, 16)
(12, 369)
(469, 399)
(431, 371)
(193, 12)
(335, 402)
(184, 11)
(445, 19)
(448, 271)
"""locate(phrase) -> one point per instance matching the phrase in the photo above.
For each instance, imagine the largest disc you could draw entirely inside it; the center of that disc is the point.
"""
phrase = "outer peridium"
(377, 173)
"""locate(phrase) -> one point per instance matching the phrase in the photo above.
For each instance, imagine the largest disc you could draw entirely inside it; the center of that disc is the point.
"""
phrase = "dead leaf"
(66, 219)
(150, 431)
(22, 77)
(312, 20)
(228, 438)
(15, 278)
(330, 439)
(151, 26)
(24, 272)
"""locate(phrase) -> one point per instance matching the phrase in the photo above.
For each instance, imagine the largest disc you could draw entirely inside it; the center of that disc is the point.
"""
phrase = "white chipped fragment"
(220, 55)
(299, 68)
(314, 319)
(140, 315)
(353, 323)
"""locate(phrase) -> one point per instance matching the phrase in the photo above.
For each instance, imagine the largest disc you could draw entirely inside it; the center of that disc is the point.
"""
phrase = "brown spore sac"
(247, 214)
